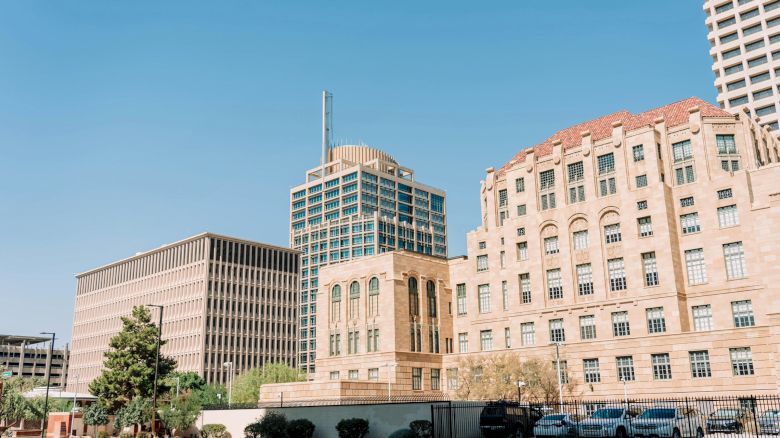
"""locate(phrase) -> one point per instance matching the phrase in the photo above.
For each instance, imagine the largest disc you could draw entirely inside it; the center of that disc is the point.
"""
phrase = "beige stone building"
(744, 38)
(625, 240)
(229, 305)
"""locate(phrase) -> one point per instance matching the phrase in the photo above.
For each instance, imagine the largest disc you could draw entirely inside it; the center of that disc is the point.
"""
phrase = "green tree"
(210, 395)
(213, 430)
(129, 366)
(246, 388)
(13, 407)
(95, 415)
(137, 412)
(187, 381)
(180, 415)
(272, 425)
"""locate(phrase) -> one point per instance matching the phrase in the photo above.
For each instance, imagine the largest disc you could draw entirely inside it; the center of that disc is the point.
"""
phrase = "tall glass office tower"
(359, 202)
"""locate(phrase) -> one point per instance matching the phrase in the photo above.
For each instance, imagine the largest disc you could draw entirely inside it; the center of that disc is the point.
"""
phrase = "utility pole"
(156, 366)
(558, 371)
(48, 383)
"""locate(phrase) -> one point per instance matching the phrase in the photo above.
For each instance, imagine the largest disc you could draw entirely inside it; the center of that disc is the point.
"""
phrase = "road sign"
(7, 374)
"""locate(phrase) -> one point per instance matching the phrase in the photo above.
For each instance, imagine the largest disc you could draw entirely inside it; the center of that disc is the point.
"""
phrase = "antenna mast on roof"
(327, 128)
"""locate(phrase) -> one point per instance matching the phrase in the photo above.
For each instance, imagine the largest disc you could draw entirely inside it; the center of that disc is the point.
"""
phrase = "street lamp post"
(156, 366)
(229, 366)
(48, 383)
(520, 385)
(73, 409)
(558, 371)
(390, 365)
(625, 390)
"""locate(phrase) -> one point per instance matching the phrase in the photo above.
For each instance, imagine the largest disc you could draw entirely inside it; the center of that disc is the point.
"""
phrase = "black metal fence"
(732, 416)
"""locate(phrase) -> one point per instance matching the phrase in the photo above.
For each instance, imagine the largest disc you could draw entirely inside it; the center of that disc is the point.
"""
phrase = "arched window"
(431, 290)
(414, 298)
(335, 303)
(354, 299)
(373, 297)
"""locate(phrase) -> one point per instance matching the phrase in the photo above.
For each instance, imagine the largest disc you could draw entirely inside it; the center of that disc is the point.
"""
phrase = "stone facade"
(626, 241)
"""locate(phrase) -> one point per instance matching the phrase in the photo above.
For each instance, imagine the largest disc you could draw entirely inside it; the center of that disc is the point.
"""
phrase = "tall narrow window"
(484, 298)
(650, 268)
(734, 255)
(528, 333)
(587, 327)
(502, 259)
(507, 338)
(617, 274)
(415, 337)
(335, 303)
(354, 300)
(727, 148)
(554, 284)
(694, 263)
(645, 226)
(486, 340)
(662, 366)
(551, 245)
(656, 321)
(612, 234)
(373, 297)
(525, 288)
(414, 297)
(690, 223)
(505, 295)
(463, 342)
(580, 239)
(461, 295)
(728, 216)
(431, 292)
(591, 370)
(625, 368)
(547, 189)
(620, 324)
(741, 361)
(502, 198)
(520, 185)
(435, 379)
(638, 152)
(576, 175)
(606, 169)
(416, 379)
(702, 317)
(700, 364)
(482, 263)
(584, 279)
(522, 251)
(557, 333)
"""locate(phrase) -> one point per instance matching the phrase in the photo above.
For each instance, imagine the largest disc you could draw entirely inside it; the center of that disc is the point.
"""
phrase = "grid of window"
(625, 368)
(728, 216)
(521, 210)
(505, 295)
(521, 231)
(694, 263)
(435, 379)
(684, 174)
(734, 255)
(587, 327)
(612, 233)
(702, 317)
(548, 201)
(742, 312)
(607, 186)
(689, 223)
(656, 321)
(638, 152)
(452, 378)
(522, 251)
(662, 366)
(645, 226)
(724, 194)
(726, 144)
(682, 151)
(576, 172)
(620, 325)
(482, 263)
(547, 179)
(416, 379)
(562, 367)
(741, 361)
(641, 205)
(551, 245)
(641, 181)
(687, 202)
(554, 284)
(576, 194)
(580, 240)
(463, 342)
(591, 370)
(461, 295)
(584, 279)
(527, 333)
(617, 274)
(486, 340)
(520, 185)
(606, 163)
(484, 298)
(557, 333)
(700, 364)
(507, 337)
(502, 198)
(525, 288)
(373, 374)
(650, 268)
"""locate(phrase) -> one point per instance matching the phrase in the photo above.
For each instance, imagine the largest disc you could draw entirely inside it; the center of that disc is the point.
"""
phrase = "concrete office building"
(225, 300)
(623, 239)
(29, 356)
(359, 203)
(744, 38)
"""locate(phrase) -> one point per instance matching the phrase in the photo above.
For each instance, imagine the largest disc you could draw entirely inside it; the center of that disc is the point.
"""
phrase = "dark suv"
(505, 419)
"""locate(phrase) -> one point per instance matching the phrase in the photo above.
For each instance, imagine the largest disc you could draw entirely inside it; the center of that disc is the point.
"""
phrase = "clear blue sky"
(126, 125)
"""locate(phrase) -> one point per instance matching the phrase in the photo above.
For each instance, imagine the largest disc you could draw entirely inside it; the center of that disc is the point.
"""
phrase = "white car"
(556, 425)
(669, 422)
(608, 422)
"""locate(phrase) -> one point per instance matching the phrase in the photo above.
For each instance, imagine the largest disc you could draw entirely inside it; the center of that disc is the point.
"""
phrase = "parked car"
(503, 419)
(769, 422)
(669, 422)
(608, 422)
(728, 420)
(556, 425)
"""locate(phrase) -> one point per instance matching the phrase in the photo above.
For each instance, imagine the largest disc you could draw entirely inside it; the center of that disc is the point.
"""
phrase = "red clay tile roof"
(674, 114)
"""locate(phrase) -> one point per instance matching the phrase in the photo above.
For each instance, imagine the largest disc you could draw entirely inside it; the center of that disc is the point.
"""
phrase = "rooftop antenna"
(327, 128)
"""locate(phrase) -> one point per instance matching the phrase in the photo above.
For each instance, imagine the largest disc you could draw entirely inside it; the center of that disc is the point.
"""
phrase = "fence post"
(688, 416)
(433, 420)
(450, 418)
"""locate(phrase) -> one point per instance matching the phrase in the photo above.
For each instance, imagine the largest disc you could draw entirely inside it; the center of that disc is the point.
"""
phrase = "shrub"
(421, 428)
(102, 434)
(402, 433)
(273, 425)
(142, 435)
(213, 430)
(300, 428)
(126, 435)
(352, 428)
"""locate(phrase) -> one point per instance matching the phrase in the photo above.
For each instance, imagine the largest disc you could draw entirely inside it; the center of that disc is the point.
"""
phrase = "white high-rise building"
(744, 38)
